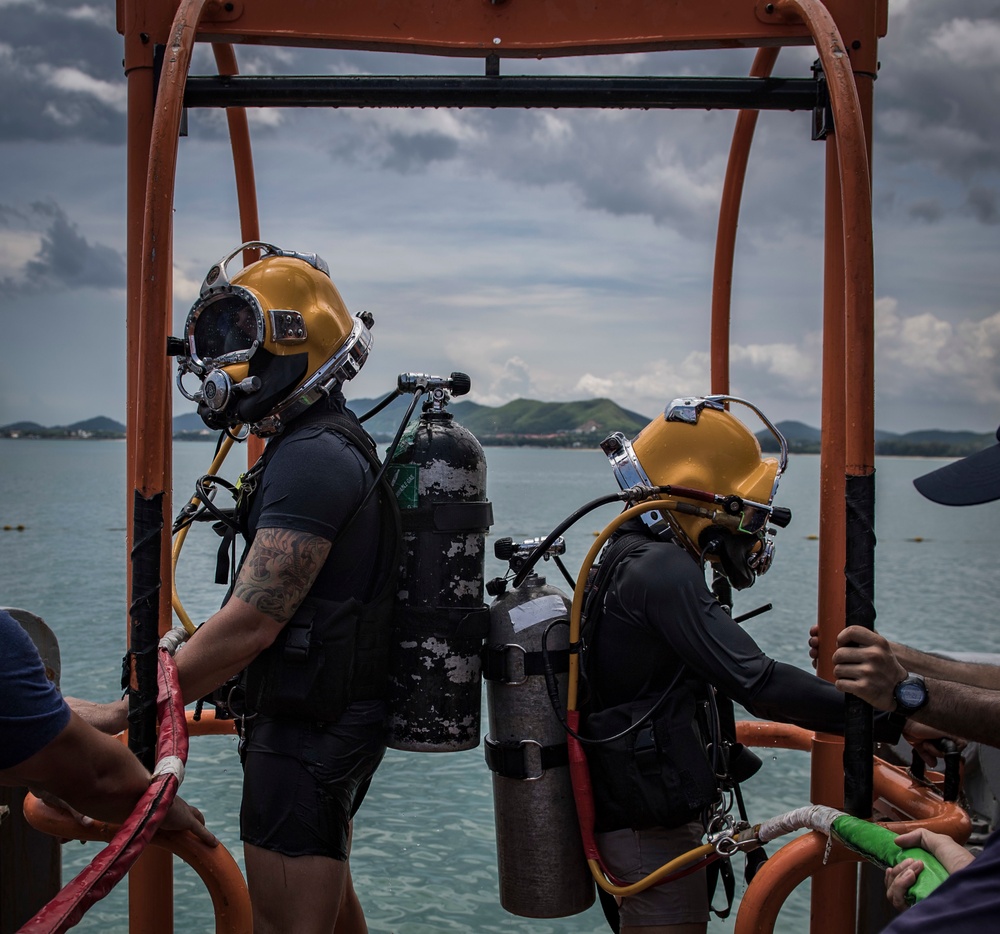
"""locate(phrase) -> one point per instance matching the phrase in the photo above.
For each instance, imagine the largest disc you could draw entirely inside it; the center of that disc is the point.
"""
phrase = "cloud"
(969, 44)
(928, 209)
(938, 85)
(60, 256)
(982, 202)
(60, 67)
(925, 359)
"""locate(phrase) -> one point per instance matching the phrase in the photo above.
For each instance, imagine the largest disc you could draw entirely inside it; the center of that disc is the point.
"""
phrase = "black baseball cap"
(967, 482)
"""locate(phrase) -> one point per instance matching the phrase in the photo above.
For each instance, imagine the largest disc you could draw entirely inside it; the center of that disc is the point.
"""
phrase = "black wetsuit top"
(660, 615)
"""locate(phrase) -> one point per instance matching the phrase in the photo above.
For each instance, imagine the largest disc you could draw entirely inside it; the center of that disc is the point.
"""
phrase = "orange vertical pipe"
(855, 424)
(239, 141)
(246, 185)
(729, 216)
(150, 882)
(833, 895)
(151, 907)
(859, 296)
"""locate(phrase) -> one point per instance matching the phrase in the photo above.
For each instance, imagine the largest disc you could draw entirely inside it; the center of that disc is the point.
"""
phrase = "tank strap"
(524, 760)
(450, 517)
(499, 663)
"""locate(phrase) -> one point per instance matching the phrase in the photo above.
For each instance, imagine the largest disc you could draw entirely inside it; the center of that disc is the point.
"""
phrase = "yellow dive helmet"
(269, 342)
(709, 466)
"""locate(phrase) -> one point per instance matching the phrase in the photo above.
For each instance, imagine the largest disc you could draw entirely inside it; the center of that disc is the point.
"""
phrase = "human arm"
(701, 633)
(866, 665)
(974, 674)
(275, 578)
(930, 665)
(899, 878)
(109, 718)
(97, 776)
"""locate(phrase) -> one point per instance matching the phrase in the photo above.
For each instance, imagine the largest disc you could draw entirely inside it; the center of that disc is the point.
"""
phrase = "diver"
(663, 659)
(308, 616)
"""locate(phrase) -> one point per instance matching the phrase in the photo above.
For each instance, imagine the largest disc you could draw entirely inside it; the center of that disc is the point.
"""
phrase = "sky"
(550, 254)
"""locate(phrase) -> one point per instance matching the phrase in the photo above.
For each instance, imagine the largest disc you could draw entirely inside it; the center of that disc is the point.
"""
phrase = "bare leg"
(303, 894)
(351, 919)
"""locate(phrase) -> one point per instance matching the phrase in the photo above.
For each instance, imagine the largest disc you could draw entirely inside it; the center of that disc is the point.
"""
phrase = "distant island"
(529, 423)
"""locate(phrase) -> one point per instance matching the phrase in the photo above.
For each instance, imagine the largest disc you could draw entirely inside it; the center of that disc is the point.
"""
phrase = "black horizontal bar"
(506, 91)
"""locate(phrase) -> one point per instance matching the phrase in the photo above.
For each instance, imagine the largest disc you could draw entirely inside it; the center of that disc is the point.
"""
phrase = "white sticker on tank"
(534, 611)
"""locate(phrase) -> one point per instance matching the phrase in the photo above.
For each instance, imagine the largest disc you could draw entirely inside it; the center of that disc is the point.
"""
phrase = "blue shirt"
(32, 711)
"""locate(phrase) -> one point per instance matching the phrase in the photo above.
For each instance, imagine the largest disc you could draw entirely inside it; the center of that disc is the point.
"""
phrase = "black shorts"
(302, 783)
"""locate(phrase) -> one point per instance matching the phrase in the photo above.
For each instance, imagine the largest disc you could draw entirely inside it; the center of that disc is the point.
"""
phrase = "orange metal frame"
(845, 34)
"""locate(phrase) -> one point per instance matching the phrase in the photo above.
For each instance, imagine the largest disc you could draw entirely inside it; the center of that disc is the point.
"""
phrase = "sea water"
(424, 857)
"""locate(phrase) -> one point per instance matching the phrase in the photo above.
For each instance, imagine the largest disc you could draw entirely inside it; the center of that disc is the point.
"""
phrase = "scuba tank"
(438, 472)
(542, 868)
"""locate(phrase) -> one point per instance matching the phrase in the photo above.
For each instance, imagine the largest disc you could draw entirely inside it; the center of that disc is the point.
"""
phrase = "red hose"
(108, 868)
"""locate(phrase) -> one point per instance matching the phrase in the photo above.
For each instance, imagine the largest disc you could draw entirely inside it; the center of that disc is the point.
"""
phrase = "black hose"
(390, 451)
(546, 543)
(395, 394)
(565, 572)
(552, 688)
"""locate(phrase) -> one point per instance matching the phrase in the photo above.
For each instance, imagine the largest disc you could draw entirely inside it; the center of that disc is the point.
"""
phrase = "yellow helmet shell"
(289, 284)
(696, 444)
(270, 341)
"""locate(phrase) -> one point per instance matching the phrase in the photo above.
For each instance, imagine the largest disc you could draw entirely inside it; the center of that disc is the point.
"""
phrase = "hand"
(899, 878)
(865, 665)
(814, 644)
(108, 718)
(58, 804)
(924, 740)
(183, 816)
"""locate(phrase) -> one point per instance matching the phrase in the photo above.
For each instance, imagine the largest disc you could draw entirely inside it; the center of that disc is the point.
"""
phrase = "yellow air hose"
(687, 859)
(175, 553)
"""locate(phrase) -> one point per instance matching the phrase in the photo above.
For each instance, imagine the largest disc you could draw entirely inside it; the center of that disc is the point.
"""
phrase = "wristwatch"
(910, 694)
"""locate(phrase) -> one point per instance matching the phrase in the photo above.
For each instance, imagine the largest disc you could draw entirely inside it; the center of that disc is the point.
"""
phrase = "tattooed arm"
(275, 578)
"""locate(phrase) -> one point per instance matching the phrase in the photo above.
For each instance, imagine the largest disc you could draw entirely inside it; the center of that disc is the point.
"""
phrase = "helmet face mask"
(224, 327)
(271, 341)
(709, 468)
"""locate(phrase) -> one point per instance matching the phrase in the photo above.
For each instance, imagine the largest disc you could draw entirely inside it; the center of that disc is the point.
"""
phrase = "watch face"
(911, 694)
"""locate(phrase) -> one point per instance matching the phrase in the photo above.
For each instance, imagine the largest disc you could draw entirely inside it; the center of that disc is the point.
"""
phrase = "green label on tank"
(403, 478)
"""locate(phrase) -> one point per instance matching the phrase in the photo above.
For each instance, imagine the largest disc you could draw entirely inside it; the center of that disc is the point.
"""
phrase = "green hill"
(803, 439)
(523, 421)
(98, 425)
(584, 423)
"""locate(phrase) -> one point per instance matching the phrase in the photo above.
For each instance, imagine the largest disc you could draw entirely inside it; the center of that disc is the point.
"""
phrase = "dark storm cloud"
(665, 165)
(60, 68)
(65, 258)
(983, 203)
(411, 152)
(929, 210)
(937, 98)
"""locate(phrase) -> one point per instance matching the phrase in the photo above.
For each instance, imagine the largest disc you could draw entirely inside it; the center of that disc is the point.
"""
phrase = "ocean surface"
(424, 857)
